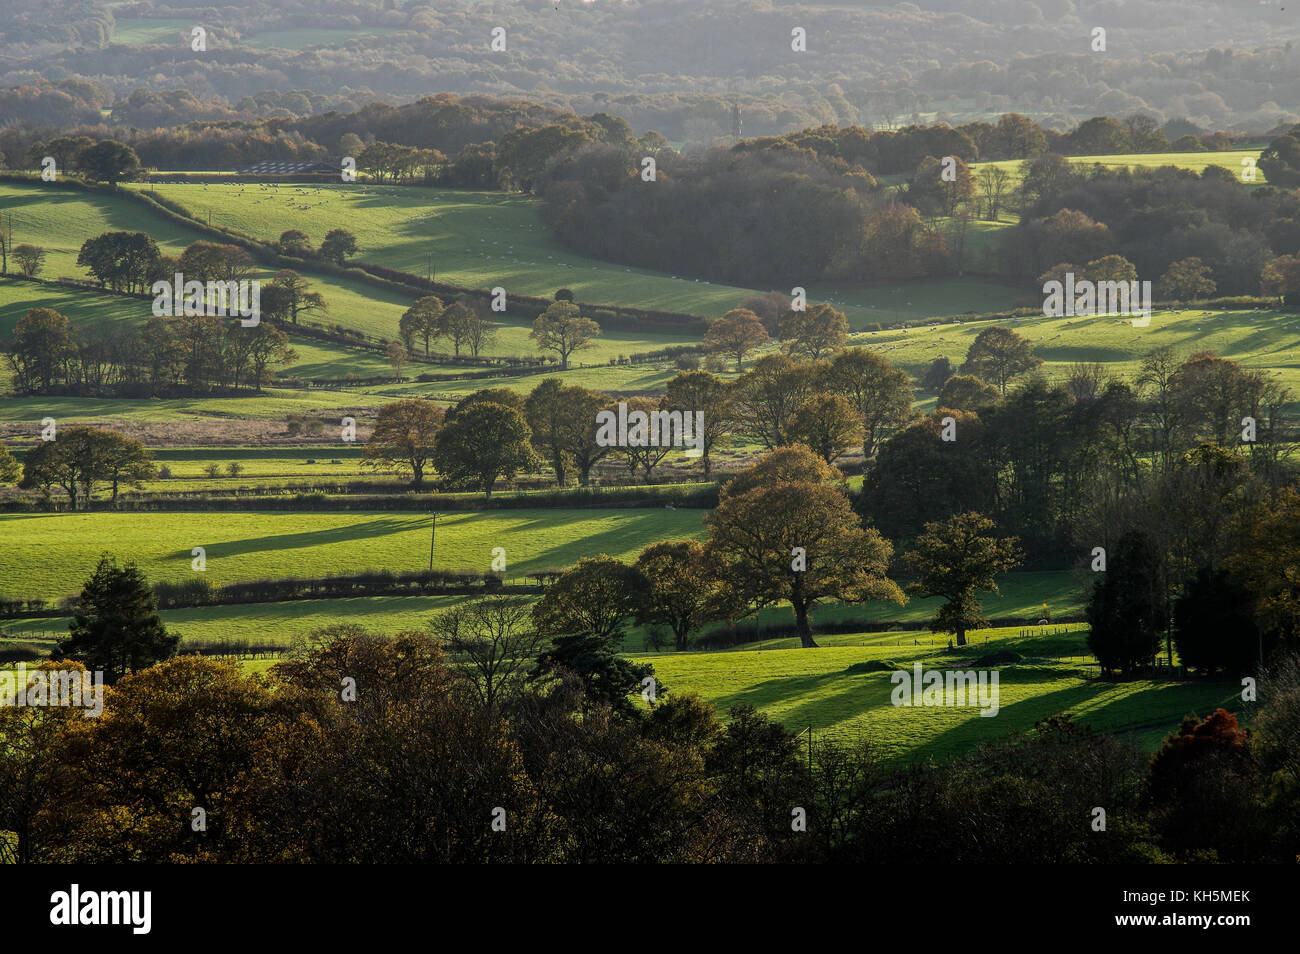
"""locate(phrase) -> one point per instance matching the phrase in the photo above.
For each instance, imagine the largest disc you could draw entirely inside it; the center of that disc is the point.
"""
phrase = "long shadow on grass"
(1126, 711)
(380, 527)
(864, 692)
(783, 689)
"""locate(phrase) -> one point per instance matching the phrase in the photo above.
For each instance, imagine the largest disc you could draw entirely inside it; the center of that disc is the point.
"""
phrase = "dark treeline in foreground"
(368, 749)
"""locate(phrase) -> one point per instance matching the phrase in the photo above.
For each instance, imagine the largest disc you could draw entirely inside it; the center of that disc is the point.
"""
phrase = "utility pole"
(433, 536)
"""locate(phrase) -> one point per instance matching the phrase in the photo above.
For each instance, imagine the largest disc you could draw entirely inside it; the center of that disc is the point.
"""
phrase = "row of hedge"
(198, 591)
(692, 495)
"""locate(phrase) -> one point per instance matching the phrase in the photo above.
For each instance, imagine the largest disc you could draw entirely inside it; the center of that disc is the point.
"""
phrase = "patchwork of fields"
(481, 240)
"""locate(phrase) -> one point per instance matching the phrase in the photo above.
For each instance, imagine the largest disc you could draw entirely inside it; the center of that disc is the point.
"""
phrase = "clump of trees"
(461, 322)
(166, 357)
(81, 459)
(807, 217)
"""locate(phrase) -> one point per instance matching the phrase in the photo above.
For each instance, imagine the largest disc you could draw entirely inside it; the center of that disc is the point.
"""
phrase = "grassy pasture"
(51, 555)
(484, 239)
(1258, 339)
(1022, 594)
(1196, 161)
(60, 221)
(150, 31)
(276, 403)
(316, 359)
(802, 688)
(798, 687)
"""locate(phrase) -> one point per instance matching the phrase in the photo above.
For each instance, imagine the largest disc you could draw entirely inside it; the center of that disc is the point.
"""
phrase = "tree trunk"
(961, 635)
(801, 626)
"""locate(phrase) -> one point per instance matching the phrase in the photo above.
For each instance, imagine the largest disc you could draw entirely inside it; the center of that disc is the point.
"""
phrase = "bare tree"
(993, 183)
(495, 639)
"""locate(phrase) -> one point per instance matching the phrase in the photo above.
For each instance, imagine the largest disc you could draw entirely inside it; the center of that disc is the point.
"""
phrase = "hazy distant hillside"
(1222, 63)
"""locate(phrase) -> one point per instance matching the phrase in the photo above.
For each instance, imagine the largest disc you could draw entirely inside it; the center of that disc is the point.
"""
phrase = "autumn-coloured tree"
(682, 590)
(999, 354)
(768, 395)
(799, 543)
(814, 333)
(829, 424)
(1281, 277)
(1187, 280)
(735, 334)
(699, 392)
(879, 391)
(405, 435)
(1198, 789)
(562, 419)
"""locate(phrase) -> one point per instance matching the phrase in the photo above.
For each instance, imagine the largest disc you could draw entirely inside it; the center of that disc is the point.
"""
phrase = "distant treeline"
(483, 143)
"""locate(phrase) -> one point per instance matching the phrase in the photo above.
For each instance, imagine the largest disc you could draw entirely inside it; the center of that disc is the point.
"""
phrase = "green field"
(1267, 340)
(60, 220)
(485, 239)
(52, 555)
(272, 622)
(275, 403)
(803, 688)
(148, 31)
(316, 359)
(1196, 161)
